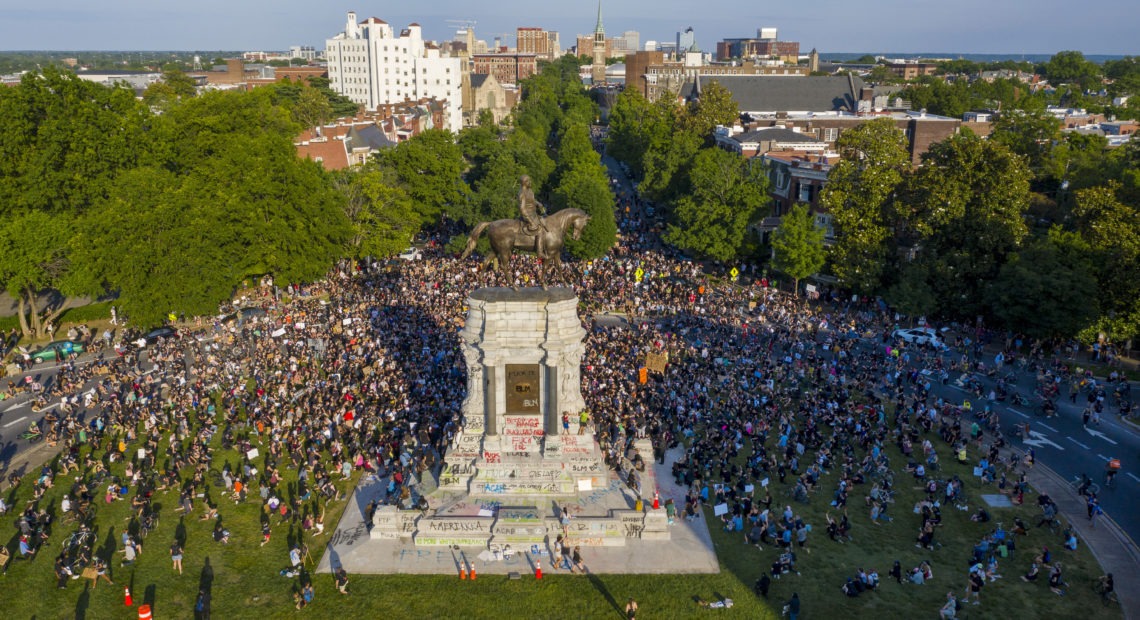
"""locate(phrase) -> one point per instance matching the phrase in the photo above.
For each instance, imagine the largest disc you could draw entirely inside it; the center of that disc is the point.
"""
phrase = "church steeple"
(598, 70)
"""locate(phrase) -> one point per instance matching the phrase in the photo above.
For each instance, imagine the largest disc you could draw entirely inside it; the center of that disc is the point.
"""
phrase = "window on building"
(830, 134)
(805, 192)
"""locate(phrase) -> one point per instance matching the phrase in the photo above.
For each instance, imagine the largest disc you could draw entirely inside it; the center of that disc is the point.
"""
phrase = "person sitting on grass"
(1031, 576)
(1056, 583)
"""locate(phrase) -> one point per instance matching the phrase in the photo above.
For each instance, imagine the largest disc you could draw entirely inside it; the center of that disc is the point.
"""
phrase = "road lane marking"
(1077, 442)
(1129, 474)
(16, 421)
(1100, 435)
(1020, 413)
(1048, 427)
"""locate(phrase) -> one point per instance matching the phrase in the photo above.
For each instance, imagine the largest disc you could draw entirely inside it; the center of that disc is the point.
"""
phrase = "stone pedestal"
(510, 461)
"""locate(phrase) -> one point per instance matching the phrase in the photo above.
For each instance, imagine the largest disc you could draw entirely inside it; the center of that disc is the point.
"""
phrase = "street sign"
(640, 273)
(735, 272)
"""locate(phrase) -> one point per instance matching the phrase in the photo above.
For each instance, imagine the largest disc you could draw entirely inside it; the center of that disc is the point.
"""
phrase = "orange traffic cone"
(656, 501)
(538, 569)
(462, 571)
(472, 572)
(127, 597)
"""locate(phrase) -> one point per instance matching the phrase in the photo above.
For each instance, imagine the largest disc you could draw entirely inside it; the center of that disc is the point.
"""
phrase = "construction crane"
(461, 24)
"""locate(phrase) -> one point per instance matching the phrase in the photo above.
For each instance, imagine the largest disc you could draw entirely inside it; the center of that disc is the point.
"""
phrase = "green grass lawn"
(244, 580)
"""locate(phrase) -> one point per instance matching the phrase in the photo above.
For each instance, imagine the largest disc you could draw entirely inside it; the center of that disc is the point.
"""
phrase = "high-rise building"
(598, 70)
(534, 41)
(686, 39)
(627, 42)
(553, 43)
(372, 66)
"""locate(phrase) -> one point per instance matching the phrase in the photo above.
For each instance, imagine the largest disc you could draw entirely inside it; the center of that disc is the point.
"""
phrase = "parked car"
(411, 254)
(243, 315)
(919, 335)
(158, 333)
(56, 350)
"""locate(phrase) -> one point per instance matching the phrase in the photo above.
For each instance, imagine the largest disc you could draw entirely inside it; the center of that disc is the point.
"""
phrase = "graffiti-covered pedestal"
(513, 463)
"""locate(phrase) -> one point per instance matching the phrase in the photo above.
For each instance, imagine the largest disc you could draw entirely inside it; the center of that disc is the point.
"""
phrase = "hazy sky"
(966, 26)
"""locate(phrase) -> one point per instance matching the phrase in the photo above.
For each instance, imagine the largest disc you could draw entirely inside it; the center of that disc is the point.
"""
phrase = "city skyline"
(970, 26)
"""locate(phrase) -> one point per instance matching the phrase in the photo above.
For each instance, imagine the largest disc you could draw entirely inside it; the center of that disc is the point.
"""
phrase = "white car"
(919, 335)
(410, 254)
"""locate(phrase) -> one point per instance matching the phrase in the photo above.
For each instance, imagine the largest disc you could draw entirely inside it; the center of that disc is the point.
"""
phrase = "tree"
(172, 87)
(965, 208)
(221, 196)
(1044, 293)
(798, 245)
(726, 192)
(383, 219)
(1030, 134)
(633, 122)
(912, 294)
(34, 257)
(430, 169)
(860, 195)
(312, 108)
(590, 192)
(1111, 230)
(714, 107)
(1072, 67)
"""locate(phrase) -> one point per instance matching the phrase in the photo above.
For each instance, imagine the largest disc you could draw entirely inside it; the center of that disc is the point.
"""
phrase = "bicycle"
(1090, 487)
(31, 437)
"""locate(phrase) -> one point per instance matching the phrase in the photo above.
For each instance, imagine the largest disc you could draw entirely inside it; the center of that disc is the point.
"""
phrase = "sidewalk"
(1112, 547)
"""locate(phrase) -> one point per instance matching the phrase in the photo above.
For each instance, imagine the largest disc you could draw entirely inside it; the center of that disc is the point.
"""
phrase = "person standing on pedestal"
(565, 422)
(583, 420)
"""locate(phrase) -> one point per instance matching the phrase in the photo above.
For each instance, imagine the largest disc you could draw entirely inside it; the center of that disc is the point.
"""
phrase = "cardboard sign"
(656, 362)
(585, 484)
(748, 488)
(278, 332)
(142, 453)
(720, 509)
(252, 454)
(299, 326)
(347, 321)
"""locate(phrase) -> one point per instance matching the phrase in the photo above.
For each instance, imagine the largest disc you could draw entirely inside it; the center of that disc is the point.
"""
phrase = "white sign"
(764, 483)
(347, 321)
(142, 453)
(748, 488)
(720, 509)
(252, 454)
(585, 484)
(809, 288)
(278, 332)
(299, 326)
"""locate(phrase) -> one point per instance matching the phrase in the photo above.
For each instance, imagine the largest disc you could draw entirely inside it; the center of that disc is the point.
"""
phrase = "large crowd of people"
(363, 371)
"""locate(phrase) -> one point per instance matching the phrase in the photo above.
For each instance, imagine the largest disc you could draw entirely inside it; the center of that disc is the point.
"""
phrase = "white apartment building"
(370, 65)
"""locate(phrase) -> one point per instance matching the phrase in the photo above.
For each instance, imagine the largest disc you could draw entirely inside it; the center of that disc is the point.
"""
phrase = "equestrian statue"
(541, 235)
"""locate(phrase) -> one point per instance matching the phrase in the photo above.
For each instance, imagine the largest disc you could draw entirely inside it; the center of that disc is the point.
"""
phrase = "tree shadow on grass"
(605, 592)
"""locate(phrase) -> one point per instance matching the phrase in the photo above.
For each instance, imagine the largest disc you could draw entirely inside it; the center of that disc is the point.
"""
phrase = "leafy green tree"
(496, 193)
(1043, 292)
(726, 193)
(585, 190)
(576, 152)
(911, 293)
(1111, 230)
(221, 196)
(967, 204)
(34, 257)
(172, 87)
(798, 246)
(1072, 67)
(312, 108)
(1030, 134)
(429, 167)
(860, 195)
(633, 122)
(714, 107)
(383, 219)
(63, 139)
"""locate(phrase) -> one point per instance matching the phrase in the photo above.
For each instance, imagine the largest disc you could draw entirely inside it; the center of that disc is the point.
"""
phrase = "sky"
(958, 26)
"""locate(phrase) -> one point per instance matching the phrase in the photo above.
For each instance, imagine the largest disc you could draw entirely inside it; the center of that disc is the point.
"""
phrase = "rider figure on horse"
(529, 210)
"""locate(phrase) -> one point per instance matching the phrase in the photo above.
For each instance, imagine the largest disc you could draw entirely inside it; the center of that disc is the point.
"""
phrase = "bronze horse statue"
(508, 235)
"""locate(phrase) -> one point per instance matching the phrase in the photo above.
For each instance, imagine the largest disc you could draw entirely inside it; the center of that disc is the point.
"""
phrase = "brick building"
(507, 68)
(652, 74)
(532, 40)
(911, 70)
